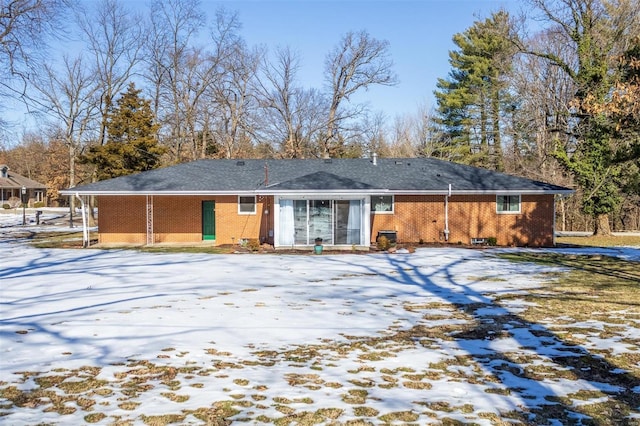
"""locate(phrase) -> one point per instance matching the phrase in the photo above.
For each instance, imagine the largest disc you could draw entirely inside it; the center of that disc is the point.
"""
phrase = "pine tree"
(131, 145)
(472, 99)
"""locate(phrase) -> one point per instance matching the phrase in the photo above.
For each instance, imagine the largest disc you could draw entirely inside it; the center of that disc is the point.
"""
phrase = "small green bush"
(38, 205)
(492, 241)
(6, 206)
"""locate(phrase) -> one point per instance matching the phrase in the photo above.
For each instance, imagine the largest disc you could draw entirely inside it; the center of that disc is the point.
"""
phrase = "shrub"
(253, 244)
(492, 241)
(38, 205)
(383, 243)
(6, 206)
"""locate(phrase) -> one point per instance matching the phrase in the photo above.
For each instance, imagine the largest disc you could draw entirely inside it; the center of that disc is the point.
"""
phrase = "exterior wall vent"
(327, 160)
(240, 163)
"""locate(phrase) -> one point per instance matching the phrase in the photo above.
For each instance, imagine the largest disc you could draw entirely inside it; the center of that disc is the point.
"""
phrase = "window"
(508, 204)
(382, 204)
(247, 205)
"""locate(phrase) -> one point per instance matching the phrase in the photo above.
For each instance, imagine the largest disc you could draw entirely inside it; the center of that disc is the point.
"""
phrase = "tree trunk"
(602, 225)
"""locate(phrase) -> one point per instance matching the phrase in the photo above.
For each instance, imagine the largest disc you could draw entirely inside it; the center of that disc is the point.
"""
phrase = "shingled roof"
(360, 175)
(10, 180)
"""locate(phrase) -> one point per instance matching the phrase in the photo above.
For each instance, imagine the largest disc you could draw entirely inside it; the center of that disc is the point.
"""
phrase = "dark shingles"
(320, 181)
(408, 174)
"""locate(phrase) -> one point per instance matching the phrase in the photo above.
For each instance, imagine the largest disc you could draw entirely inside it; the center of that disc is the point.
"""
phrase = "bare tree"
(69, 96)
(373, 135)
(291, 115)
(235, 101)
(25, 26)
(173, 70)
(115, 39)
(541, 119)
(232, 90)
(357, 62)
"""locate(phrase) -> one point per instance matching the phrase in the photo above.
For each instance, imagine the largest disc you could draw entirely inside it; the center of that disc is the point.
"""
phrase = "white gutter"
(85, 229)
(322, 192)
(134, 192)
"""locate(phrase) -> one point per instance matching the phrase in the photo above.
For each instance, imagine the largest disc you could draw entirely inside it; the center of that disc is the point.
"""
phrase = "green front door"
(208, 220)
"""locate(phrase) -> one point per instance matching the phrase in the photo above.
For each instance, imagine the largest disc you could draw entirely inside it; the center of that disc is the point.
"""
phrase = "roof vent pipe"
(375, 159)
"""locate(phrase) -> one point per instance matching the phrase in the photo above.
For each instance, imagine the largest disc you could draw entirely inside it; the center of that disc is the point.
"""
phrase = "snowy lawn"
(439, 336)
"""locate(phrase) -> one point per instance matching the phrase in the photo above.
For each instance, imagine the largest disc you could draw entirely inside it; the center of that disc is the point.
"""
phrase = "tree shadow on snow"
(494, 325)
(46, 281)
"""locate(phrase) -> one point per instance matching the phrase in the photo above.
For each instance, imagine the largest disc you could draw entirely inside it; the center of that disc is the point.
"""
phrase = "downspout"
(85, 229)
(446, 214)
(553, 229)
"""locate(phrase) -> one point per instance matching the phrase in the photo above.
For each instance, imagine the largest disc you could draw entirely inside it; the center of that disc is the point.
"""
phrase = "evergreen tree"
(472, 99)
(131, 145)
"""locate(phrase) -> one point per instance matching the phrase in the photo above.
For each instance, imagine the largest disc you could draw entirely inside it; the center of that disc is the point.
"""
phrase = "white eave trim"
(143, 193)
(444, 191)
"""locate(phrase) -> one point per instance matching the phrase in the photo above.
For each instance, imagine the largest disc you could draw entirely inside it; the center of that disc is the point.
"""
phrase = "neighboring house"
(346, 202)
(11, 189)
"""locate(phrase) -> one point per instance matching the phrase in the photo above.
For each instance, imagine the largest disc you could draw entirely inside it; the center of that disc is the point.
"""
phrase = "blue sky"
(419, 32)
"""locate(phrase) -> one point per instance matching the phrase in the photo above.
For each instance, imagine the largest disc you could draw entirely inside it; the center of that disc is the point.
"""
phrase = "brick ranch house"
(11, 187)
(346, 202)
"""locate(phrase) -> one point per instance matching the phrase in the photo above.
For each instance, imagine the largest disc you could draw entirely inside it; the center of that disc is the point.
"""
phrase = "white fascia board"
(143, 193)
(306, 193)
(492, 192)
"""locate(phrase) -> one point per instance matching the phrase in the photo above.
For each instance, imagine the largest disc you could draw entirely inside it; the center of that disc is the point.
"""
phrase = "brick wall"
(416, 218)
(422, 218)
(179, 219)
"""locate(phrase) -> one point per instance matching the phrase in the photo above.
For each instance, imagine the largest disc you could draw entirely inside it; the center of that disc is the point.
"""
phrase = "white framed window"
(246, 204)
(382, 204)
(508, 204)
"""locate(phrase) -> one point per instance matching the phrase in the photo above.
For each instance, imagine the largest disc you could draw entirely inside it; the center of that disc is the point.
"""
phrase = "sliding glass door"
(300, 217)
(320, 219)
(337, 222)
(348, 222)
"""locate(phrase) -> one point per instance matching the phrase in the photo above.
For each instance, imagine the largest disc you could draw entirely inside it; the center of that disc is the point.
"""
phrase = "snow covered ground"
(258, 337)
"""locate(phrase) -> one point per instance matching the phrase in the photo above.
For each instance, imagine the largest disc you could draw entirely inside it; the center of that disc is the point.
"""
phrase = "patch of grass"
(364, 411)
(175, 397)
(376, 355)
(417, 385)
(593, 285)
(330, 413)
(303, 379)
(195, 249)
(400, 416)
(163, 420)
(217, 414)
(128, 405)
(56, 239)
(355, 396)
(601, 241)
(363, 383)
(94, 417)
